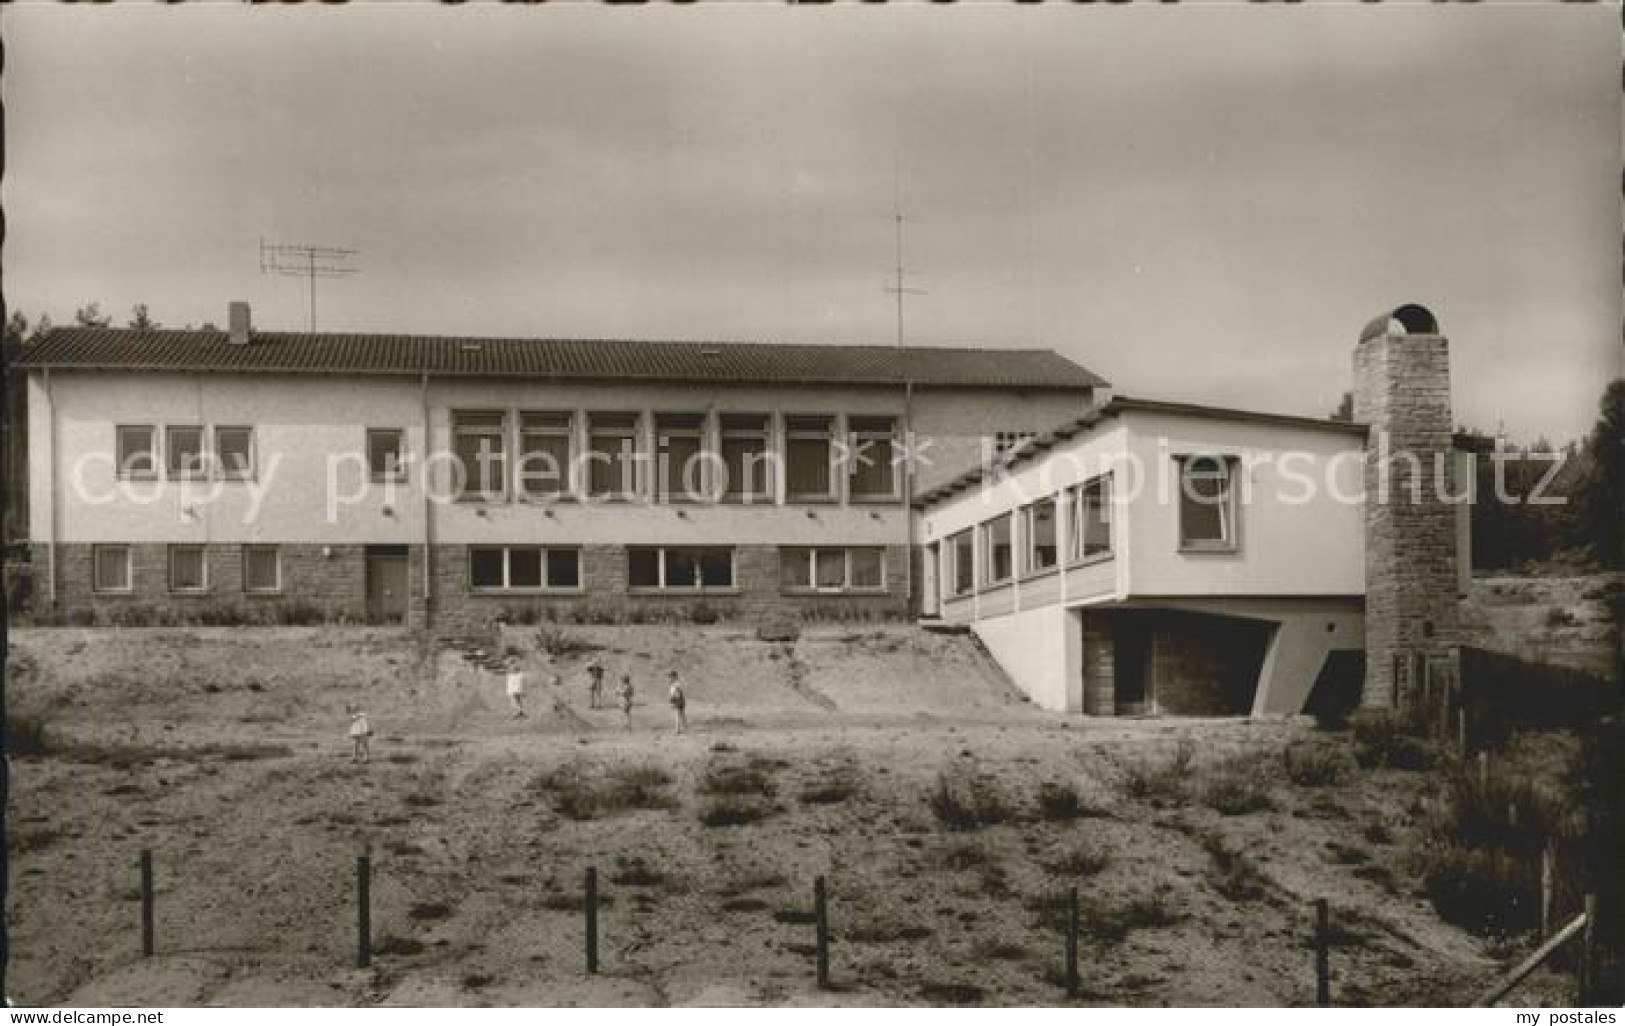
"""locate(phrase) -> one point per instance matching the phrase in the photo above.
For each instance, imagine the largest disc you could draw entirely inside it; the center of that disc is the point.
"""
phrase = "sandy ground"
(223, 751)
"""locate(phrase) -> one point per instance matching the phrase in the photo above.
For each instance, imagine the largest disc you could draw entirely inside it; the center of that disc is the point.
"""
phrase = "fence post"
(1484, 770)
(363, 908)
(147, 946)
(1588, 952)
(821, 918)
(1548, 874)
(1072, 943)
(592, 919)
(1461, 730)
(1323, 967)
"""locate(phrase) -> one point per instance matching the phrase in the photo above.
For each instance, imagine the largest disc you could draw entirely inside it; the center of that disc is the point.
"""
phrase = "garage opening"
(1172, 662)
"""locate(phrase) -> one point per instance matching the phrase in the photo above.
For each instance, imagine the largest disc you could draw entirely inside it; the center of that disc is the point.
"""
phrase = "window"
(832, 569)
(544, 453)
(807, 455)
(234, 452)
(110, 568)
(262, 569)
(745, 460)
(384, 452)
(996, 550)
(961, 574)
(523, 568)
(1008, 443)
(137, 459)
(1207, 503)
(612, 444)
(873, 467)
(1040, 551)
(187, 571)
(479, 443)
(184, 445)
(1091, 519)
(681, 567)
(679, 439)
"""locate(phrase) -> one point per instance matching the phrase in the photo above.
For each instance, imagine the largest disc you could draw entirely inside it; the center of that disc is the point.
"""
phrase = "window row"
(693, 458)
(676, 568)
(186, 456)
(1086, 536)
(188, 569)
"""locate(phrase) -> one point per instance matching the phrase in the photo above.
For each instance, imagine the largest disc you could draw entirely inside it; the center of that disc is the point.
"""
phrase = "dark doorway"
(388, 583)
(1131, 669)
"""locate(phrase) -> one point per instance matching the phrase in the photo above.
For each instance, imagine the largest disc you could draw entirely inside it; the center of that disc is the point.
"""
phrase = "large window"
(832, 569)
(137, 455)
(1091, 519)
(384, 454)
(872, 468)
(745, 461)
(808, 456)
(479, 440)
(187, 568)
(1038, 529)
(679, 439)
(1207, 503)
(961, 570)
(184, 446)
(262, 569)
(612, 444)
(110, 567)
(523, 568)
(234, 452)
(544, 453)
(681, 567)
(997, 551)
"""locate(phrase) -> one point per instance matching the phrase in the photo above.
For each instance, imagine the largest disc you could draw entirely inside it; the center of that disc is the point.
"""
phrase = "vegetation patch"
(734, 811)
(1391, 739)
(635, 871)
(965, 799)
(1162, 782)
(584, 791)
(560, 643)
(1080, 861)
(1311, 765)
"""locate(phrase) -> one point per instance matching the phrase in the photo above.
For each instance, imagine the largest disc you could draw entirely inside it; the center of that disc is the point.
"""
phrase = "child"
(360, 737)
(595, 684)
(679, 703)
(516, 690)
(624, 693)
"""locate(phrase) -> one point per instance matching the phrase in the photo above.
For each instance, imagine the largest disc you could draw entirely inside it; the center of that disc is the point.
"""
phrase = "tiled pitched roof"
(752, 362)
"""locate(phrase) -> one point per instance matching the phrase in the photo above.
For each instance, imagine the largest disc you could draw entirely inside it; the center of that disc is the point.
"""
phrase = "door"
(1132, 664)
(387, 583)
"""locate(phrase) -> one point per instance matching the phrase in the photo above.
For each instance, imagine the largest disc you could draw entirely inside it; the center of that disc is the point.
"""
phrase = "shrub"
(704, 613)
(1105, 922)
(1312, 765)
(26, 734)
(1390, 738)
(838, 787)
(394, 944)
(779, 630)
(966, 800)
(560, 643)
(634, 871)
(1154, 782)
(1236, 794)
(752, 779)
(1058, 802)
(581, 791)
(1080, 861)
(733, 811)
(1233, 874)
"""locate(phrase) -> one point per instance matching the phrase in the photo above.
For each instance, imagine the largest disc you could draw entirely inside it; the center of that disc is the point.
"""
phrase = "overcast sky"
(1199, 202)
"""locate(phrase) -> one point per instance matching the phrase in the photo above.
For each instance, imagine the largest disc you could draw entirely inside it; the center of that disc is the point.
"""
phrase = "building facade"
(450, 482)
(1171, 558)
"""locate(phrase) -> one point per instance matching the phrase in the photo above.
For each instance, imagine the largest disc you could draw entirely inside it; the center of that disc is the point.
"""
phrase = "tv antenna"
(301, 260)
(897, 288)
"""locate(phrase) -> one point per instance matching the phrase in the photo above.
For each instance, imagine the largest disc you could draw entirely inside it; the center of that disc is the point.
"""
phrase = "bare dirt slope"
(1566, 621)
(224, 753)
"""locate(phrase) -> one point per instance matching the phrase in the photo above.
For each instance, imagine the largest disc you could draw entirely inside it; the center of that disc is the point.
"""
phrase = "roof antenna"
(897, 288)
(301, 260)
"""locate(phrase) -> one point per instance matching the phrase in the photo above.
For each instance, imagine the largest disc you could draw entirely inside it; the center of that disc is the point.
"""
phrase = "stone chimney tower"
(1402, 392)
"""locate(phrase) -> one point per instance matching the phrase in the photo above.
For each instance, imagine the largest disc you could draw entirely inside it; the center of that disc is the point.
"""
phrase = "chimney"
(241, 323)
(1402, 392)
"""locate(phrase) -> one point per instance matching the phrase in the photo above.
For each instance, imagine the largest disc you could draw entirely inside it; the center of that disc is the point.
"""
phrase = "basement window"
(262, 569)
(1207, 503)
(188, 571)
(832, 570)
(110, 568)
(680, 568)
(137, 455)
(523, 568)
